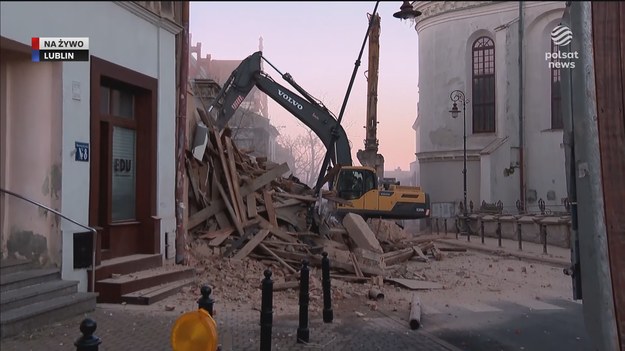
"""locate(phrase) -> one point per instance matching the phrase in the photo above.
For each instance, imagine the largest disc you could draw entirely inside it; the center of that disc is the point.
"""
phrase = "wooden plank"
(219, 205)
(285, 286)
(237, 223)
(414, 284)
(357, 269)
(283, 243)
(213, 187)
(420, 254)
(227, 175)
(194, 184)
(278, 258)
(216, 233)
(251, 245)
(398, 256)
(287, 203)
(271, 212)
(294, 196)
(265, 179)
(222, 220)
(276, 231)
(235, 179)
(217, 241)
(436, 253)
(251, 206)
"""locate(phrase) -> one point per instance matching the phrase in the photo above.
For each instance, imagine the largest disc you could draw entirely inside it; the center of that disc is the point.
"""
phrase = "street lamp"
(406, 11)
(458, 96)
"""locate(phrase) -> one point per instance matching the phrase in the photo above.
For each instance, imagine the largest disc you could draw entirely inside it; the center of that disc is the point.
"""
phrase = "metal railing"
(92, 230)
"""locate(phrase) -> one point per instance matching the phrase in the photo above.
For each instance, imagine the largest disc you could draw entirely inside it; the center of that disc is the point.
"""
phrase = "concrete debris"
(246, 215)
(360, 232)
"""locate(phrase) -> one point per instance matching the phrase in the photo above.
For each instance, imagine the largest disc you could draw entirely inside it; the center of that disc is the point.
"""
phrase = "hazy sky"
(318, 44)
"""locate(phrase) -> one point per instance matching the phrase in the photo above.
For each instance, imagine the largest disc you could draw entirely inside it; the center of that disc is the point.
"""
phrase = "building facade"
(119, 107)
(513, 120)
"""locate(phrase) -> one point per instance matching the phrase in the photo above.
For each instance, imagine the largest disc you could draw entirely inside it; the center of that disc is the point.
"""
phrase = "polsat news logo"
(60, 49)
(561, 36)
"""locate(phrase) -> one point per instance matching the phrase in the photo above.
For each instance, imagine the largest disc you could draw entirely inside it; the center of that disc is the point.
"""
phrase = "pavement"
(523, 324)
(123, 329)
(531, 252)
(484, 326)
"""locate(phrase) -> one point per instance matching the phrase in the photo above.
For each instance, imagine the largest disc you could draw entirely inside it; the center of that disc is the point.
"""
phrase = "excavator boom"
(314, 115)
(369, 156)
(359, 185)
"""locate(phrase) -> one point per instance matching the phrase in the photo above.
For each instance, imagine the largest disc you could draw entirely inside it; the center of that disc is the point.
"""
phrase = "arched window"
(483, 85)
(556, 97)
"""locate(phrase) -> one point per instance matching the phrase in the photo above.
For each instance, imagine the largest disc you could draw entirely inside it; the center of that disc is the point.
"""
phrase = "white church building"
(514, 137)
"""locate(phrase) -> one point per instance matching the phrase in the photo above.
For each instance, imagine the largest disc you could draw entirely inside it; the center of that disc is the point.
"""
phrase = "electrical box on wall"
(83, 250)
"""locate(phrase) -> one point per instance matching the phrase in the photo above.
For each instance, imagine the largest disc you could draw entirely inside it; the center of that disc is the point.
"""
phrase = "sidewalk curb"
(558, 262)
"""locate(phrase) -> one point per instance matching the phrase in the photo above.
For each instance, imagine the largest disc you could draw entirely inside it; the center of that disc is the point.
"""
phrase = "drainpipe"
(181, 136)
(521, 160)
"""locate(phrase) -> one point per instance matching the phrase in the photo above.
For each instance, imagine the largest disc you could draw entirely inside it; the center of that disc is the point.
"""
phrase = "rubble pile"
(244, 215)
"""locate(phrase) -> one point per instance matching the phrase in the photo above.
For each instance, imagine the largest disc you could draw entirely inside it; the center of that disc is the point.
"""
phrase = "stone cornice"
(150, 16)
(447, 155)
(435, 12)
(431, 9)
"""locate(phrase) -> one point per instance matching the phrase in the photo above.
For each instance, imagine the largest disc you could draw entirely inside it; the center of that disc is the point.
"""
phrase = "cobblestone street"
(133, 329)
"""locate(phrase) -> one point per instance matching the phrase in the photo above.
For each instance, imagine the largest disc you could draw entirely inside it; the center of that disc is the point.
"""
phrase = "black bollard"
(445, 224)
(266, 312)
(88, 341)
(482, 230)
(328, 314)
(206, 302)
(543, 232)
(518, 229)
(303, 334)
(457, 228)
(499, 232)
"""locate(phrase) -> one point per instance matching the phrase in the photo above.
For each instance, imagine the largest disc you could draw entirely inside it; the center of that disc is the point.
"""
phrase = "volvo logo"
(290, 100)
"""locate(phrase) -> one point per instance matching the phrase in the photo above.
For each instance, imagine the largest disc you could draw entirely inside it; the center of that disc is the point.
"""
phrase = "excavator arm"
(310, 112)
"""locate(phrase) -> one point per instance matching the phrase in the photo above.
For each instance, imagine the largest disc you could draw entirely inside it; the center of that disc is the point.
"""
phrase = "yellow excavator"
(359, 187)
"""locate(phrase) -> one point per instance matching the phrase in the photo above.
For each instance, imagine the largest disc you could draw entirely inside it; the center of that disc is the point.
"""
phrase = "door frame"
(146, 90)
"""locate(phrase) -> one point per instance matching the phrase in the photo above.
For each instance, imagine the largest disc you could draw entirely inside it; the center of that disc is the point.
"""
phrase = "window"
(556, 97)
(483, 85)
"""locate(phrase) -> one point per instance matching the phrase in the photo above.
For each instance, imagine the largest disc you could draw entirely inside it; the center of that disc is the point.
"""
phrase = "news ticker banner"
(60, 49)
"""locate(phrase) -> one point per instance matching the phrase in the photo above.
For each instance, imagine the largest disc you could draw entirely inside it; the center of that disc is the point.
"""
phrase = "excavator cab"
(370, 199)
(352, 183)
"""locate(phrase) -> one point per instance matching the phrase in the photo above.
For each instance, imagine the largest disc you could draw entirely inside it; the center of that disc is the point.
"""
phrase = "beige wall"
(31, 120)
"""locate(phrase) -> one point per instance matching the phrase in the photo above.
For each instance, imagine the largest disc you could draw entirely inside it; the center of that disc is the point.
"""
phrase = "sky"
(318, 44)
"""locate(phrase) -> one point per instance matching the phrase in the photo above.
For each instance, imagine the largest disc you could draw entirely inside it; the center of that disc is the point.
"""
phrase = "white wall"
(121, 37)
(446, 34)
(545, 151)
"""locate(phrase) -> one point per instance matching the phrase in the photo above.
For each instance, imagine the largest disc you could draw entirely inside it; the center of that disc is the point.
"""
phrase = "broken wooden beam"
(391, 258)
(251, 244)
(278, 258)
(219, 205)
